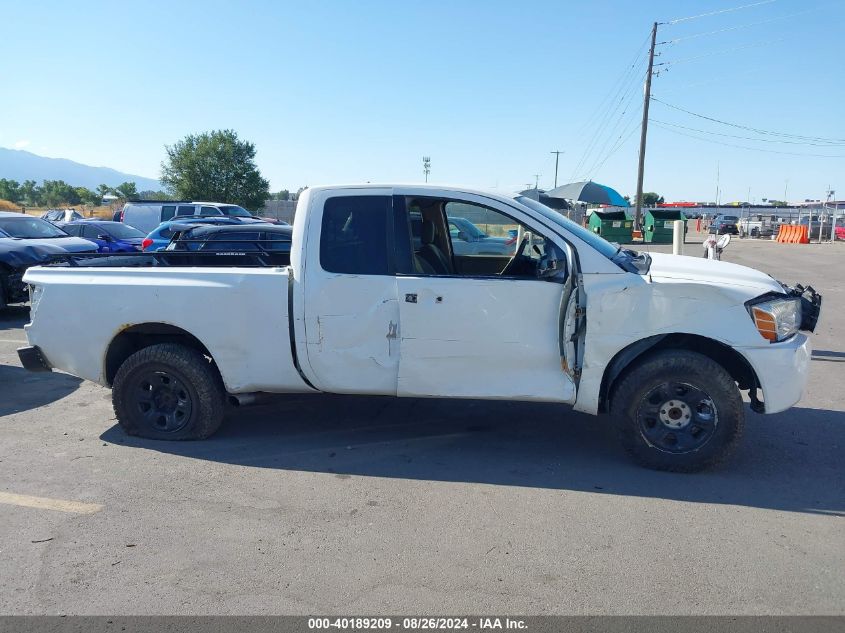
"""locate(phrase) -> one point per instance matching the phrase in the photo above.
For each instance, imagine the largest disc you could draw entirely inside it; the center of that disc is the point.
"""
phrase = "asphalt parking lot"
(372, 505)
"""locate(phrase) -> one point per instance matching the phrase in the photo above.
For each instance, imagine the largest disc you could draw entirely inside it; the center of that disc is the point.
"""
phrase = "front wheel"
(168, 392)
(678, 410)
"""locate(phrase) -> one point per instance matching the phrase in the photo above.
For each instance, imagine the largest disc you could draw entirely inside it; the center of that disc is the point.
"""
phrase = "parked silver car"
(468, 239)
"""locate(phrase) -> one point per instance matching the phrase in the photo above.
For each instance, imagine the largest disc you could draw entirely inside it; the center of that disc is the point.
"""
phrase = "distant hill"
(17, 164)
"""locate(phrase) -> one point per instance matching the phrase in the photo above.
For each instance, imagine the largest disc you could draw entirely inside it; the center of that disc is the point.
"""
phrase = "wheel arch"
(136, 337)
(731, 360)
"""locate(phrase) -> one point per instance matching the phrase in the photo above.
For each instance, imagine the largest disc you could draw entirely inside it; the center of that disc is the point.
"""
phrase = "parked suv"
(146, 215)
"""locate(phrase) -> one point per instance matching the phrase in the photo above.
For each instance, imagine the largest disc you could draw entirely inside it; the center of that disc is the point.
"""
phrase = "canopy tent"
(589, 192)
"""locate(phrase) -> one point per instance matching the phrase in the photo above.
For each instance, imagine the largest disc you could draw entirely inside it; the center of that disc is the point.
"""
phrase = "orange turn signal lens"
(766, 324)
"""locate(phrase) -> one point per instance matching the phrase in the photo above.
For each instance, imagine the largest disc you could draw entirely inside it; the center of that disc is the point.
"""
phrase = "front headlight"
(776, 319)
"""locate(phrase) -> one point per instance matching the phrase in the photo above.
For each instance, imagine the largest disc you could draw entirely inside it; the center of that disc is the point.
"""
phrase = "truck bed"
(228, 310)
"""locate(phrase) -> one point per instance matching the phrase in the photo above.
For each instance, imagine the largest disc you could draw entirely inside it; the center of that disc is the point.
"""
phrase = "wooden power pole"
(638, 216)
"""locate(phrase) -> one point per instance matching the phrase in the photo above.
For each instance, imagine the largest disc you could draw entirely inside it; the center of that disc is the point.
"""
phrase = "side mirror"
(463, 236)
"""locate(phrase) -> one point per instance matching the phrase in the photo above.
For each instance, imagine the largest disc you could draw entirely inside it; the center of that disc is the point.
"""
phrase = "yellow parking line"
(45, 503)
(12, 340)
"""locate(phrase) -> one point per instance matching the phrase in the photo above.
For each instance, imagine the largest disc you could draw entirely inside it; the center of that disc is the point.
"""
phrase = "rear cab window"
(354, 235)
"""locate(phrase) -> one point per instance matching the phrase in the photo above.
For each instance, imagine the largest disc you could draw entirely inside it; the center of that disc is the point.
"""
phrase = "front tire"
(168, 392)
(678, 411)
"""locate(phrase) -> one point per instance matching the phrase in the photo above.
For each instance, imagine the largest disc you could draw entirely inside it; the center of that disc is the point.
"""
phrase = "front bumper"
(782, 369)
(32, 359)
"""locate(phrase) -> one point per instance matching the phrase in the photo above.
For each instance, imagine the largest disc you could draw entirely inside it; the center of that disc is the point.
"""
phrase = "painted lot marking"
(12, 340)
(45, 503)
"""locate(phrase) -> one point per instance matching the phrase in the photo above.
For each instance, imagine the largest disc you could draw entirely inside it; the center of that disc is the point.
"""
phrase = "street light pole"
(557, 154)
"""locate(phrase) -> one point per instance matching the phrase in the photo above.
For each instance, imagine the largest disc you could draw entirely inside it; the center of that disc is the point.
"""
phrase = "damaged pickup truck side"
(376, 300)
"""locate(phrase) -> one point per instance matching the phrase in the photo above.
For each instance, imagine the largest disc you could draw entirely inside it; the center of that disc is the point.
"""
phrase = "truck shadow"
(32, 390)
(791, 461)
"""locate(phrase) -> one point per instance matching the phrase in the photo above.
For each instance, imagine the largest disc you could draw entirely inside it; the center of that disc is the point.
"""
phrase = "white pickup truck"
(375, 301)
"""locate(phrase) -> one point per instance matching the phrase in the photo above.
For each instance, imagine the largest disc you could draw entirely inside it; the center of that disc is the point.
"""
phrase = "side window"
(167, 212)
(353, 238)
(463, 239)
(232, 241)
(210, 211)
(71, 229)
(90, 232)
(480, 231)
(185, 210)
(276, 242)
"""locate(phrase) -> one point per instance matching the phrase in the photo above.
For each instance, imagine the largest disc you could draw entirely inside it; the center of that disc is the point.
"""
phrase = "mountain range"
(20, 165)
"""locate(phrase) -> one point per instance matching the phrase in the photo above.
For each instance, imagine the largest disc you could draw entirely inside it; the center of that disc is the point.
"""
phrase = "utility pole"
(426, 166)
(537, 181)
(638, 217)
(557, 154)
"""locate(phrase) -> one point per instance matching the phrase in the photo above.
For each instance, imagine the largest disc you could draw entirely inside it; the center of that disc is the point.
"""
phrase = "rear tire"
(678, 410)
(168, 392)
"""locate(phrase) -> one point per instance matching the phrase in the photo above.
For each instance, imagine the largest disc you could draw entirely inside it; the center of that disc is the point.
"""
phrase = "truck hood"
(18, 254)
(673, 268)
(57, 245)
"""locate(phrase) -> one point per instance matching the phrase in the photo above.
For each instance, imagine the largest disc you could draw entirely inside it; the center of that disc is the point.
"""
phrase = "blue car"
(159, 238)
(110, 237)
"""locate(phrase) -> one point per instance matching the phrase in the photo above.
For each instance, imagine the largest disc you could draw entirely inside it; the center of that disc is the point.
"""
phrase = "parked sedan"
(160, 237)
(468, 239)
(37, 232)
(110, 237)
(723, 224)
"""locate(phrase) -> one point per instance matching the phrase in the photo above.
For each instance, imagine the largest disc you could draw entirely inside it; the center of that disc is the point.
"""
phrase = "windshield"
(236, 211)
(123, 231)
(30, 228)
(597, 242)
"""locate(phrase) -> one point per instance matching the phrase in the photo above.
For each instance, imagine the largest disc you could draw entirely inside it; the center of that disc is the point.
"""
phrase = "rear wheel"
(678, 410)
(168, 392)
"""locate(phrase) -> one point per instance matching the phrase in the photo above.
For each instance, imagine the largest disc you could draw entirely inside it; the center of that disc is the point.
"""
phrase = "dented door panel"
(481, 338)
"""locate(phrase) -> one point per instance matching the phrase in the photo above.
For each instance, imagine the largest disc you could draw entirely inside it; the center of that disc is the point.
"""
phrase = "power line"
(721, 52)
(704, 15)
(604, 131)
(754, 149)
(831, 141)
(609, 106)
(630, 131)
(740, 26)
(748, 138)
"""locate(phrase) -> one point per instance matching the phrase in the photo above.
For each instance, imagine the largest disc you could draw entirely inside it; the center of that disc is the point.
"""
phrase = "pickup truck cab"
(661, 343)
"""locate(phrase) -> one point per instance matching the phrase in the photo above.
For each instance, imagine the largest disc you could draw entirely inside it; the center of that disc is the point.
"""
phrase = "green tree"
(126, 190)
(153, 195)
(284, 194)
(91, 198)
(31, 192)
(650, 199)
(215, 166)
(103, 191)
(10, 190)
(58, 192)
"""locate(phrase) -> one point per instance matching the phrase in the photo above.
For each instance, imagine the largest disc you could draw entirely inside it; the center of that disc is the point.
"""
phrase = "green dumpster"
(659, 225)
(614, 226)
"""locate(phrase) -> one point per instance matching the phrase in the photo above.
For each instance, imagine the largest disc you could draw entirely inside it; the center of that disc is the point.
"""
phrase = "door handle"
(411, 297)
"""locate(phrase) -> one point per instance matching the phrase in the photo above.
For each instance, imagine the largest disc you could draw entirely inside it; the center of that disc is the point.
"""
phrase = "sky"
(342, 91)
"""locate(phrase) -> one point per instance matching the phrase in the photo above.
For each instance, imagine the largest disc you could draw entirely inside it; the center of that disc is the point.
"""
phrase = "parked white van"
(146, 215)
